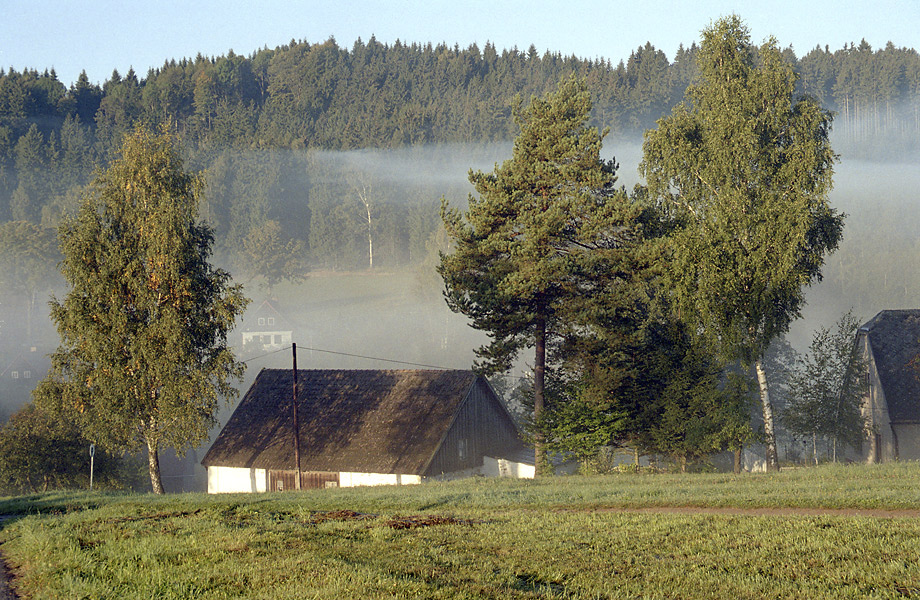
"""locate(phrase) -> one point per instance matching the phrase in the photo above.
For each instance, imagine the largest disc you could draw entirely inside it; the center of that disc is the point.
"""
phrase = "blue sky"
(102, 35)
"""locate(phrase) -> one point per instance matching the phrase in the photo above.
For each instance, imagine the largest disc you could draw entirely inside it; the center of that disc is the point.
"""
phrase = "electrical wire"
(377, 358)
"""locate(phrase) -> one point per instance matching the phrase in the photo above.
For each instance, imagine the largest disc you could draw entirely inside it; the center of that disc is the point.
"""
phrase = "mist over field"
(396, 317)
(399, 314)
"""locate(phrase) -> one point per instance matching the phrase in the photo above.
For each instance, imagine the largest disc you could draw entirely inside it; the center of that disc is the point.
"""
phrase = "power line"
(350, 355)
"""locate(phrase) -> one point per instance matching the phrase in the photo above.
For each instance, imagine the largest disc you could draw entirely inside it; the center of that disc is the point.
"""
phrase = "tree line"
(238, 116)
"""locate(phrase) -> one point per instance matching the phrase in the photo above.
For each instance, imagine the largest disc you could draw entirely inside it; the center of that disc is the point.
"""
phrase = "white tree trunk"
(364, 196)
(153, 464)
(769, 431)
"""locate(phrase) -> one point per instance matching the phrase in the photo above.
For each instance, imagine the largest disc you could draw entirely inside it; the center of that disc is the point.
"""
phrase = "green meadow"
(827, 532)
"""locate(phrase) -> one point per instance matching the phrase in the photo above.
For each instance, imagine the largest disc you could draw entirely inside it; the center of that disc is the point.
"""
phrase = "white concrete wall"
(223, 480)
(359, 479)
(502, 467)
(266, 339)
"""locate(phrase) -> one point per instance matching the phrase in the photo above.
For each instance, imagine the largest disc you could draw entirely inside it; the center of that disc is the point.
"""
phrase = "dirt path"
(6, 593)
(880, 513)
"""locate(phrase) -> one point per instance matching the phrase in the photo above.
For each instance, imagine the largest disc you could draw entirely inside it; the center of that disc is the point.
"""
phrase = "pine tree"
(529, 242)
(744, 170)
(143, 356)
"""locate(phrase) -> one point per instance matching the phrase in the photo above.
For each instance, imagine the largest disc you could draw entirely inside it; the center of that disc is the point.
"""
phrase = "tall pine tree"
(530, 242)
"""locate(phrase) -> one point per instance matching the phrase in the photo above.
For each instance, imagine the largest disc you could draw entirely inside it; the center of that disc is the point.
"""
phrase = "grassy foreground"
(554, 538)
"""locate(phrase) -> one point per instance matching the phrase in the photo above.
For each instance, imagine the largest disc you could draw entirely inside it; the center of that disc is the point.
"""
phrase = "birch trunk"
(153, 462)
(769, 431)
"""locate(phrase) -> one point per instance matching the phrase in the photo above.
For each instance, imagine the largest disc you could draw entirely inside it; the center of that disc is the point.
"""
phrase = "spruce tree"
(143, 358)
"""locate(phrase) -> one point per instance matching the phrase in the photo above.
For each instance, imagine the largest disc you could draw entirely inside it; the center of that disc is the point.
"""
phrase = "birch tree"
(744, 169)
(143, 358)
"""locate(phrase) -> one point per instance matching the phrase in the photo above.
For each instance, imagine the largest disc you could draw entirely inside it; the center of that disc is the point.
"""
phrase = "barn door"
(283, 481)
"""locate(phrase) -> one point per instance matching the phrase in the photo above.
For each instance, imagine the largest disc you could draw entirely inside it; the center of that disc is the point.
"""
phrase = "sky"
(101, 35)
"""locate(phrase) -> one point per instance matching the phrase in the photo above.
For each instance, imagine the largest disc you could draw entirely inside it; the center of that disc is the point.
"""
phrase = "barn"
(890, 344)
(364, 427)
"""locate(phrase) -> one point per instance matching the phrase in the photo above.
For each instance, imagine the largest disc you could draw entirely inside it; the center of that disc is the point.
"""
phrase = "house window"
(261, 320)
(15, 374)
(271, 320)
(27, 374)
(462, 447)
(278, 339)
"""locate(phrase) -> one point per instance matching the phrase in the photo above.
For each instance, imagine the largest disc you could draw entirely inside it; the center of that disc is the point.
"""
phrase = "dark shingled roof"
(894, 338)
(350, 420)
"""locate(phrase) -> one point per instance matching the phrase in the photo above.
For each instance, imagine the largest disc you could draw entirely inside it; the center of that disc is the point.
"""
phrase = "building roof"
(894, 339)
(387, 421)
(266, 310)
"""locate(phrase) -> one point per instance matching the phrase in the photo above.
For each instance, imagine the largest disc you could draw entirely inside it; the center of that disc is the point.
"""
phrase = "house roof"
(266, 310)
(389, 421)
(894, 339)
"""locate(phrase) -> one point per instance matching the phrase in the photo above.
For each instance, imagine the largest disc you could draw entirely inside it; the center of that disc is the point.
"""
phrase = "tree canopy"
(546, 223)
(828, 387)
(743, 167)
(143, 356)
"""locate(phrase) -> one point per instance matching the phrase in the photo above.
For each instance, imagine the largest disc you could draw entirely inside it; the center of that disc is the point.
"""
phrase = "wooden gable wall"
(482, 427)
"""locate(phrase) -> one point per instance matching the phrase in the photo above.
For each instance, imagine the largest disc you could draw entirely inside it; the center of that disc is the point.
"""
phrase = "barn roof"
(382, 421)
(894, 338)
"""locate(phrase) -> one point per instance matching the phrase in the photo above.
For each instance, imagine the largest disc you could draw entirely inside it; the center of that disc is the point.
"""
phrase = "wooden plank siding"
(481, 428)
(285, 481)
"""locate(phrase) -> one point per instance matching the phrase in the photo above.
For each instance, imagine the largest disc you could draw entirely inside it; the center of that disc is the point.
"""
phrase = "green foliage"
(579, 428)
(269, 255)
(375, 95)
(143, 355)
(28, 254)
(747, 169)
(827, 387)
(699, 410)
(40, 450)
(743, 168)
(544, 224)
(537, 215)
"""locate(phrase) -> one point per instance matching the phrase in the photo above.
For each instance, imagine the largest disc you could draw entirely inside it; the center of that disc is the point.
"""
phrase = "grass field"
(573, 537)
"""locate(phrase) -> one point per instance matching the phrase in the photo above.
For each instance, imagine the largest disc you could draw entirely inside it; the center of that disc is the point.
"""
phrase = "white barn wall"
(360, 479)
(227, 480)
(502, 467)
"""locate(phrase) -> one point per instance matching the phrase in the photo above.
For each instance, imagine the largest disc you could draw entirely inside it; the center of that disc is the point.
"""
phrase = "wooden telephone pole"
(296, 423)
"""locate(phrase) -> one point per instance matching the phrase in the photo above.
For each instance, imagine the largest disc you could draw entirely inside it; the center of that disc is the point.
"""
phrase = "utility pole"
(296, 423)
